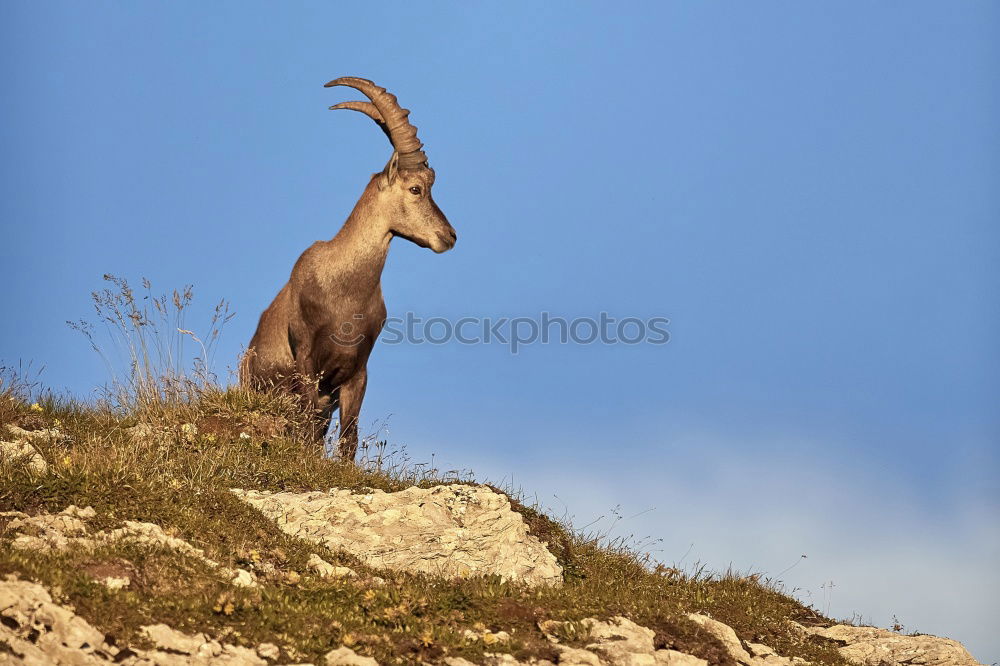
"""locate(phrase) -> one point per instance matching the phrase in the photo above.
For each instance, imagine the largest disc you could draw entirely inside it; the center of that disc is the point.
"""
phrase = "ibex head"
(403, 188)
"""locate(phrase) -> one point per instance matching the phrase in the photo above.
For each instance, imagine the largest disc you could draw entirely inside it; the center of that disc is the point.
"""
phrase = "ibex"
(315, 337)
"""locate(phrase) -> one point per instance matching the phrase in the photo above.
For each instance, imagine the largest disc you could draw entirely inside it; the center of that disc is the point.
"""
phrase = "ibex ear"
(390, 171)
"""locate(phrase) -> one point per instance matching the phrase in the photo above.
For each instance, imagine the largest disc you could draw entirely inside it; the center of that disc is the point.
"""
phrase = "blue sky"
(808, 191)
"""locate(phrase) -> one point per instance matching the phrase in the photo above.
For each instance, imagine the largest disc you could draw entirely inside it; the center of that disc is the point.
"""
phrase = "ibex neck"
(363, 242)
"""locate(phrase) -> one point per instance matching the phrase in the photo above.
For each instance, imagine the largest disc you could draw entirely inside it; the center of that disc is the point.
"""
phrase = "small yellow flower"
(489, 638)
(35, 407)
(369, 595)
(67, 461)
(348, 639)
(224, 604)
(427, 638)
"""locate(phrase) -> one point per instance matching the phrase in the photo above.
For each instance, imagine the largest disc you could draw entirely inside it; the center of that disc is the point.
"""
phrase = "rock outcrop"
(725, 635)
(450, 531)
(870, 646)
(21, 447)
(621, 642)
(68, 530)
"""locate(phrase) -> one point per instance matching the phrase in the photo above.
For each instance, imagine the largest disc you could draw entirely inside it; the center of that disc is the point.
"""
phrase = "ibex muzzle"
(316, 336)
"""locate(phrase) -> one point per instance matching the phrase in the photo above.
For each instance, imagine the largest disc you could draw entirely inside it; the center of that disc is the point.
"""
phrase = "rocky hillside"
(208, 532)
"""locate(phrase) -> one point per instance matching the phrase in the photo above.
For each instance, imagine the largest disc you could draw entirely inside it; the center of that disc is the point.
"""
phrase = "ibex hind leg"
(323, 416)
(352, 394)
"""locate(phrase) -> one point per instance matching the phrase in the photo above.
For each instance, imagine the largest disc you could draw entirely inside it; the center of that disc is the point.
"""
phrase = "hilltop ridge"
(207, 531)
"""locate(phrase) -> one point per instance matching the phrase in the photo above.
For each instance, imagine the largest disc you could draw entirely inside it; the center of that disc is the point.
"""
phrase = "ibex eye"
(415, 189)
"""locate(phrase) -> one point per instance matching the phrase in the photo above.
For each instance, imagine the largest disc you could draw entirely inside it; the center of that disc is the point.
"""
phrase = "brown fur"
(316, 336)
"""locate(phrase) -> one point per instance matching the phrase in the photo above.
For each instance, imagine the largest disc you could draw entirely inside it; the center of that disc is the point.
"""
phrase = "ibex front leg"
(352, 394)
(319, 408)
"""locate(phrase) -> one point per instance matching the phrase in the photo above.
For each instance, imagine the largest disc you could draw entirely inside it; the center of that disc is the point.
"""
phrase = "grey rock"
(268, 651)
(39, 632)
(675, 658)
(870, 646)
(172, 640)
(577, 657)
(616, 642)
(726, 636)
(21, 451)
(449, 531)
(324, 569)
(68, 530)
(345, 656)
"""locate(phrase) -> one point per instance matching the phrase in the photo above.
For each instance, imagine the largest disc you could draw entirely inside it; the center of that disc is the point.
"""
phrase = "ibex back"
(315, 337)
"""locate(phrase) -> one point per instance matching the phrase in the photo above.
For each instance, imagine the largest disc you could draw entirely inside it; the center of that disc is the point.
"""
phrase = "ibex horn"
(385, 110)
